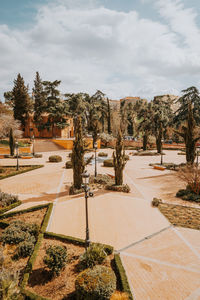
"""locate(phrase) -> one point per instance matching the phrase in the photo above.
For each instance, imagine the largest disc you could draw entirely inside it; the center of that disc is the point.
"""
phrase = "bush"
(102, 179)
(118, 188)
(68, 164)
(2, 170)
(94, 255)
(191, 176)
(188, 195)
(25, 248)
(98, 283)
(18, 232)
(108, 163)
(7, 199)
(145, 153)
(55, 158)
(155, 202)
(126, 157)
(55, 259)
(37, 155)
(119, 296)
(102, 154)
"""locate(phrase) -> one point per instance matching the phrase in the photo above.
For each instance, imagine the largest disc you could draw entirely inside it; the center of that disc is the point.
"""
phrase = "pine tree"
(119, 159)
(39, 100)
(22, 104)
(109, 116)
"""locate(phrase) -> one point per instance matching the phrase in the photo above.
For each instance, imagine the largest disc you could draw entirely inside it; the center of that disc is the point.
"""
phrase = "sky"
(121, 47)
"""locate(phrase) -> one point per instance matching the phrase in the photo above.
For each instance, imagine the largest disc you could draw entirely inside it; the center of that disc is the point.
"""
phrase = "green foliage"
(155, 202)
(9, 282)
(188, 195)
(19, 231)
(95, 284)
(37, 155)
(55, 259)
(7, 199)
(22, 104)
(39, 100)
(94, 255)
(25, 248)
(108, 163)
(68, 164)
(145, 153)
(102, 154)
(102, 179)
(119, 160)
(118, 188)
(55, 158)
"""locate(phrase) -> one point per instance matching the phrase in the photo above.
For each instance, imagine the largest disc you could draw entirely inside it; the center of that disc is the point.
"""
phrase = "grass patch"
(8, 171)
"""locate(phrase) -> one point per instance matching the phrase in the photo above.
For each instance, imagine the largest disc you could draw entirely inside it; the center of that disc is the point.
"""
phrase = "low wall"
(68, 144)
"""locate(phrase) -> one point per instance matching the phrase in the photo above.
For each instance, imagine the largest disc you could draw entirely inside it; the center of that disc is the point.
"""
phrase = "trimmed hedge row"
(5, 209)
(32, 296)
(121, 274)
(108, 249)
(33, 167)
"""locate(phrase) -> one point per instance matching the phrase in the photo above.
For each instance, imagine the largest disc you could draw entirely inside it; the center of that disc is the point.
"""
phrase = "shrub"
(155, 202)
(102, 154)
(191, 176)
(98, 283)
(188, 195)
(37, 155)
(19, 231)
(2, 170)
(55, 259)
(55, 158)
(102, 179)
(68, 164)
(118, 188)
(70, 154)
(94, 255)
(145, 153)
(108, 163)
(126, 157)
(7, 199)
(25, 248)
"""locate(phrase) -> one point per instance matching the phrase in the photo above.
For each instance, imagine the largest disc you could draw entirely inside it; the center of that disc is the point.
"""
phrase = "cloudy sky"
(121, 47)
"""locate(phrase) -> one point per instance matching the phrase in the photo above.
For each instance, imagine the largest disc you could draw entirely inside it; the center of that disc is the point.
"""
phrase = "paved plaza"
(161, 261)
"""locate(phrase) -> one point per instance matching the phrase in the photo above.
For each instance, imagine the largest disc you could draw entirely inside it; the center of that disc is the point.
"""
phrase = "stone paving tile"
(168, 247)
(153, 281)
(192, 236)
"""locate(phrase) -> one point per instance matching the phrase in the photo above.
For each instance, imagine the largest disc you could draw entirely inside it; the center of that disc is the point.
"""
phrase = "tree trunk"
(159, 140)
(109, 117)
(119, 176)
(11, 142)
(145, 140)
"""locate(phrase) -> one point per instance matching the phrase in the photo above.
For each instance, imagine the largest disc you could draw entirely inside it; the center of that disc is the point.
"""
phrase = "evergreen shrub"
(94, 255)
(55, 259)
(108, 163)
(55, 158)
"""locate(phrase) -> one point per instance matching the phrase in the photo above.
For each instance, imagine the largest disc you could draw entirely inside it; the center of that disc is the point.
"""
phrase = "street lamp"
(95, 166)
(161, 159)
(17, 152)
(88, 194)
(33, 139)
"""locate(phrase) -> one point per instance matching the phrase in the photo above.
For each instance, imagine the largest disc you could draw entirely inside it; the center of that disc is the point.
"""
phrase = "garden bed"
(182, 216)
(8, 171)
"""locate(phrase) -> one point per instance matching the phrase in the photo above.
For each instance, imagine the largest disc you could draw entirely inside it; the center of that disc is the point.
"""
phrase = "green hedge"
(121, 275)
(32, 296)
(46, 218)
(32, 167)
(3, 210)
(108, 249)
(3, 225)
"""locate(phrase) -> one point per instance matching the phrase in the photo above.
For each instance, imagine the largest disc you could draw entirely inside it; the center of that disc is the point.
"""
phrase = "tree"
(119, 159)
(162, 116)
(109, 116)
(11, 142)
(6, 123)
(78, 151)
(187, 117)
(22, 104)
(39, 100)
(55, 107)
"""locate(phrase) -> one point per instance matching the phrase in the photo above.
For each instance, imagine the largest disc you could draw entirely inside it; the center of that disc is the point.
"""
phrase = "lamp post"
(161, 158)
(88, 194)
(33, 139)
(95, 166)
(17, 153)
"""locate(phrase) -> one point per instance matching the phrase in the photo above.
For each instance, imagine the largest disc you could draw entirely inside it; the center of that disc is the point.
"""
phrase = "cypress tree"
(22, 104)
(119, 159)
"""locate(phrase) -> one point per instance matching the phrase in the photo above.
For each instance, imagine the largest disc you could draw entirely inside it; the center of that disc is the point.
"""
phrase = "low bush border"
(33, 167)
(121, 274)
(31, 296)
(7, 208)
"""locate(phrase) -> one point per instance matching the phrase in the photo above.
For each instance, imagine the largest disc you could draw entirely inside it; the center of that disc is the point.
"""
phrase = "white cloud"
(90, 47)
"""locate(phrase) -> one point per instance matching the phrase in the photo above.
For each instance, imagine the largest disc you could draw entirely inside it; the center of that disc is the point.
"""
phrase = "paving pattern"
(161, 261)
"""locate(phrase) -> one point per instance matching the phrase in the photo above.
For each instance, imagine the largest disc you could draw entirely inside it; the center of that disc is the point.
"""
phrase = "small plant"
(145, 153)
(102, 154)
(102, 179)
(68, 164)
(97, 283)
(2, 170)
(94, 255)
(191, 176)
(155, 202)
(7, 199)
(108, 163)
(118, 188)
(55, 158)
(126, 157)
(119, 296)
(55, 259)
(25, 248)
(38, 155)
